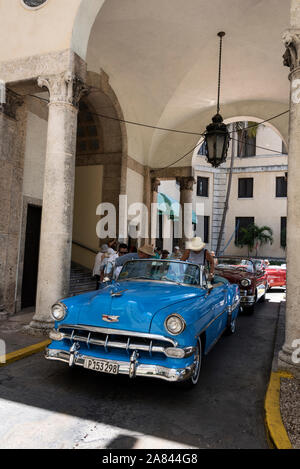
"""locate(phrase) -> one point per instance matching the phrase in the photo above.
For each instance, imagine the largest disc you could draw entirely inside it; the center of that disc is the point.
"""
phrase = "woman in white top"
(196, 254)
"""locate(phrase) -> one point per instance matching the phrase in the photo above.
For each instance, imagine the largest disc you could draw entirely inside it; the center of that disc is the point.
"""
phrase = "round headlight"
(174, 324)
(245, 282)
(58, 311)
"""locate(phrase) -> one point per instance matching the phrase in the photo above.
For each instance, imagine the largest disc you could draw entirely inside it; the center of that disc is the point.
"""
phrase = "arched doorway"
(99, 167)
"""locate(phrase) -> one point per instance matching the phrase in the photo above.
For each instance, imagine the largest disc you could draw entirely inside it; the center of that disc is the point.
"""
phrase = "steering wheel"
(185, 277)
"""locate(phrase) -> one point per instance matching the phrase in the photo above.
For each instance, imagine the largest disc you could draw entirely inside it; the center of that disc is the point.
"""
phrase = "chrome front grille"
(117, 339)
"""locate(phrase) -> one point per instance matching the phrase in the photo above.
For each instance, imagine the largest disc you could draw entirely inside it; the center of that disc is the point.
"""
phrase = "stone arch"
(100, 163)
(86, 15)
(89, 133)
(242, 118)
(167, 148)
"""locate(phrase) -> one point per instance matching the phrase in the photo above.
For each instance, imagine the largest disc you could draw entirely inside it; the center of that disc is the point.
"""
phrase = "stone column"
(287, 359)
(155, 182)
(12, 142)
(186, 201)
(65, 91)
(147, 202)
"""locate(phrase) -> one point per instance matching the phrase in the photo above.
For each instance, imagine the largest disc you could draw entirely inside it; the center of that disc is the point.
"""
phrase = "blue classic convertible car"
(157, 321)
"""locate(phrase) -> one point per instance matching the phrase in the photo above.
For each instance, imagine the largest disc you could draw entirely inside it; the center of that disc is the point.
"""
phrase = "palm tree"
(263, 235)
(254, 236)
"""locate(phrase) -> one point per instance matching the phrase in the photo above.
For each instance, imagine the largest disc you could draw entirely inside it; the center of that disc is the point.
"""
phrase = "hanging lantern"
(217, 140)
(217, 136)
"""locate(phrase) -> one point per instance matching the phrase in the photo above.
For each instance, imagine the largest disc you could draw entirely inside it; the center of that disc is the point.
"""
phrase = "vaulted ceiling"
(162, 60)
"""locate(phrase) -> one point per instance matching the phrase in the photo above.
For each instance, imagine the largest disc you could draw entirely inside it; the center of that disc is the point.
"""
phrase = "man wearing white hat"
(196, 254)
(144, 252)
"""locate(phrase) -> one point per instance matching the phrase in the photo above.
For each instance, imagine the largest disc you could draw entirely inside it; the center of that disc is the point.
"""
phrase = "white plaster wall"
(134, 187)
(135, 193)
(265, 207)
(27, 32)
(35, 152)
(268, 138)
(88, 195)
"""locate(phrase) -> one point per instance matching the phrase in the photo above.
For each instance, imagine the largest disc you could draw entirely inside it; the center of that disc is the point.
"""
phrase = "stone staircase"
(81, 280)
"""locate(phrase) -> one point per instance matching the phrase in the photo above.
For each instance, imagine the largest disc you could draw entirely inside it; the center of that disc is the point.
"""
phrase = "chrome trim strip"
(104, 330)
(233, 306)
(148, 371)
(128, 346)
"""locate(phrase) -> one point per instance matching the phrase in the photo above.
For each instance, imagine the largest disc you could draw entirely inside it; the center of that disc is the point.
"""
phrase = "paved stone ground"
(44, 404)
(289, 389)
(290, 408)
(11, 332)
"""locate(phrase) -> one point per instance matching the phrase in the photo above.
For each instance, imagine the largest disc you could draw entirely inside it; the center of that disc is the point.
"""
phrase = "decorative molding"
(155, 182)
(291, 57)
(30, 68)
(12, 102)
(64, 88)
(172, 172)
(244, 169)
(186, 183)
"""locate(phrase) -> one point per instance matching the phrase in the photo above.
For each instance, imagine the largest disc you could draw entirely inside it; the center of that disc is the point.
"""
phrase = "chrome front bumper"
(132, 368)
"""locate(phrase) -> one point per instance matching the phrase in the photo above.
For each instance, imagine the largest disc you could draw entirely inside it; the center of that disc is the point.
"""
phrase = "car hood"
(131, 305)
(234, 275)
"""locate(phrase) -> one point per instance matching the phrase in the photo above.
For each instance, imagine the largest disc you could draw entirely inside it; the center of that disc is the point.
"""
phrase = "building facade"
(258, 193)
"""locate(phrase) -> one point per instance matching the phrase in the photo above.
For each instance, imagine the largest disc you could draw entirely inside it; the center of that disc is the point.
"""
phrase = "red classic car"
(276, 275)
(250, 276)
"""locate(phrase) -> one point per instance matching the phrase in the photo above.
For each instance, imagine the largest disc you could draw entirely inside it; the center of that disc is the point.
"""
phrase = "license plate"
(102, 366)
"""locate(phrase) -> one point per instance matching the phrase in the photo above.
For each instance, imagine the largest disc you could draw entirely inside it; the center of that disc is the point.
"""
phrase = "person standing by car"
(122, 251)
(157, 253)
(165, 254)
(98, 263)
(214, 257)
(176, 253)
(107, 265)
(196, 254)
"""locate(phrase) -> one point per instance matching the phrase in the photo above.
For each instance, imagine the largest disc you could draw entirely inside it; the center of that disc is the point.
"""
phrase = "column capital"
(291, 57)
(186, 183)
(64, 88)
(12, 102)
(155, 182)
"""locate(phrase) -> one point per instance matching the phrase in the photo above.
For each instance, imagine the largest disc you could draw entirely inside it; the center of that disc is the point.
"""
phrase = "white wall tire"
(193, 380)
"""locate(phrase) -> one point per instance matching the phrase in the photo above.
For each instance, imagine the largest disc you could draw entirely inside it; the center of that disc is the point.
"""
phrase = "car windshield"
(168, 271)
(241, 264)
